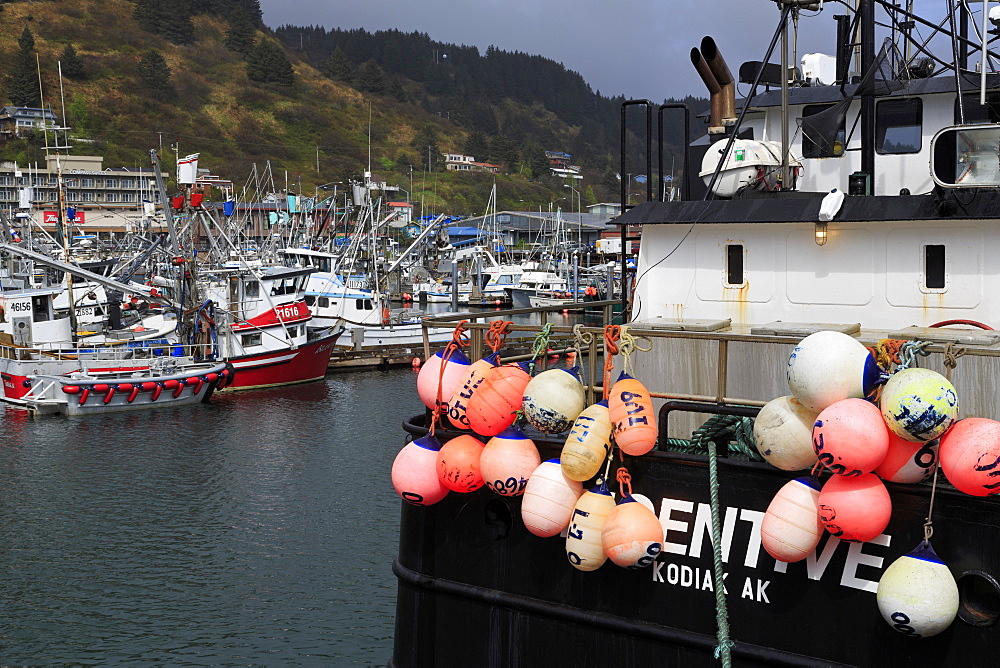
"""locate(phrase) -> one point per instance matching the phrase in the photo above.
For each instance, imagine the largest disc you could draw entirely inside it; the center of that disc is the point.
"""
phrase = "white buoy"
(791, 527)
(782, 431)
(549, 499)
(917, 594)
(553, 399)
(584, 546)
(829, 366)
(588, 443)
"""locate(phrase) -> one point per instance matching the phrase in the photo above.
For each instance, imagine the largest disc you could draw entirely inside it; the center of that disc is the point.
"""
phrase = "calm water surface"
(259, 529)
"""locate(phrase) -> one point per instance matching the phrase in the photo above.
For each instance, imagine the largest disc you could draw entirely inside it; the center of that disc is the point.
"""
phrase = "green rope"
(730, 430)
(722, 650)
(540, 347)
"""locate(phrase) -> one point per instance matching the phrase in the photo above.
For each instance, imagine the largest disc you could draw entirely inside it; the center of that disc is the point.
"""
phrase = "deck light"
(820, 234)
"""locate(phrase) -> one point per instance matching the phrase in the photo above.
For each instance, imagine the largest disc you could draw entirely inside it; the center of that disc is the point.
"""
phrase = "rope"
(722, 650)
(612, 333)
(928, 524)
(459, 339)
(951, 355)
(733, 431)
(540, 347)
(624, 482)
(886, 352)
(497, 333)
(629, 344)
(581, 339)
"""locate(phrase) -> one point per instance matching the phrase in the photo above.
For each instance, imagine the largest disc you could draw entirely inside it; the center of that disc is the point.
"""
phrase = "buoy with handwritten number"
(414, 472)
(855, 508)
(906, 461)
(917, 594)
(507, 462)
(970, 456)
(584, 545)
(782, 432)
(632, 418)
(829, 366)
(632, 534)
(850, 437)
(588, 443)
(458, 404)
(919, 404)
(553, 399)
(494, 405)
(430, 375)
(458, 464)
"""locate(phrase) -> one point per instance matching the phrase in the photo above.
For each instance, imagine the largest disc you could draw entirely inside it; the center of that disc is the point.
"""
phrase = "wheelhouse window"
(250, 339)
(324, 302)
(934, 267)
(734, 264)
(898, 126)
(251, 289)
(816, 147)
(979, 113)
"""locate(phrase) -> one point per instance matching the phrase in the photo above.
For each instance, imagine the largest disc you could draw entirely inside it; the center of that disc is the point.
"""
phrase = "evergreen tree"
(267, 63)
(477, 145)
(397, 90)
(23, 82)
(426, 143)
(338, 68)
(154, 74)
(169, 18)
(241, 34)
(535, 160)
(72, 66)
(371, 78)
(503, 151)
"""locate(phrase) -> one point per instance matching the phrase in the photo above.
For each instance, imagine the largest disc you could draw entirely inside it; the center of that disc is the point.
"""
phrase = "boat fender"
(210, 377)
(917, 594)
(632, 536)
(830, 206)
(179, 389)
(110, 394)
(856, 508)
(133, 390)
(385, 315)
(414, 472)
(71, 389)
(156, 391)
(782, 432)
(197, 382)
(507, 462)
(632, 417)
(458, 464)
(969, 454)
(588, 443)
(84, 393)
(553, 400)
(850, 437)
(790, 530)
(549, 499)
(26, 383)
(828, 366)
(919, 404)
(584, 546)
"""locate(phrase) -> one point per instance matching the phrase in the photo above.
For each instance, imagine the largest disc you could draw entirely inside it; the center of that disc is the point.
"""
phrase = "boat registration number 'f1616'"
(689, 539)
(288, 311)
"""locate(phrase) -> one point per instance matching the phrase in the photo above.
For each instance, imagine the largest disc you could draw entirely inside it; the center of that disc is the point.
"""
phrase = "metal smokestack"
(724, 78)
(715, 102)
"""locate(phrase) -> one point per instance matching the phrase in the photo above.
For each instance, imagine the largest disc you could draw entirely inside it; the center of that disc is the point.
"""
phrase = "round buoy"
(906, 461)
(588, 443)
(829, 366)
(970, 456)
(414, 472)
(552, 400)
(458, 464)
(782, 431)
(494, 405)
(632, 418)
(850, 438)
(584, 545)
(549, 499)
(415, 363)
(791, 529)
(855, 509)
(458, 404)
(507, 462)
(632, 535)
(919, 404)
(917, 594)
(431, 376)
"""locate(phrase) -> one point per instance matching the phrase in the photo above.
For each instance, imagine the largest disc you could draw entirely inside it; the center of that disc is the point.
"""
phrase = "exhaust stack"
(720, 83)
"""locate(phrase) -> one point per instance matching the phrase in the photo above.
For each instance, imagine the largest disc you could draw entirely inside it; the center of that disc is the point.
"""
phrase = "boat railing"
(159, 349)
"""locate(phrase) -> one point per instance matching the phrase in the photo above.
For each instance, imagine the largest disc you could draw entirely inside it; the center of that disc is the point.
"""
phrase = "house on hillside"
(15, 121)
(456, 162)
(405, 211)
(559, 165)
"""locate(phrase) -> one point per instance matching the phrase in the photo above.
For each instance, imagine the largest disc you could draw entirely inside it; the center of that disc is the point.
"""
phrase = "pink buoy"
(850, 437)
(414, 472)
(494, 405)
(632, 417)
(458, 464)
(415, 363)
(970, 456)
(632, 535)
(855, 509)
(430, 376)
(791, 528)
(906, 461)
(549, 499)
(507, 462)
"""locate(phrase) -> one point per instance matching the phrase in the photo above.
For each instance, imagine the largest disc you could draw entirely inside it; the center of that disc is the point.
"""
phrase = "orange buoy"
(906, 461)
(458, 464)
(850, 437)
(549, 499)
(414, 472)
(632, 417)
(632, 535)
(415, 363)
(584, 545)
(507, 462)
(855, 509)
(588, 443)
(791, 529)
(494, 405)
(553, 399)
(458, 404)
(430, 376)
(970, 456)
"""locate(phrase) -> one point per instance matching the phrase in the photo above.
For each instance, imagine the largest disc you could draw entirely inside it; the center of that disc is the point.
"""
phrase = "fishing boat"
(856, 206)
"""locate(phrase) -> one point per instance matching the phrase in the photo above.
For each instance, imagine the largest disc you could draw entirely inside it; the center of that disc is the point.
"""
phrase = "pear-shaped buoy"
(632, 534)
(919, 404)
(791, 528)
(414, 472)
(507, 462)
(632, 418)
(584, 544)
(588, 443)
(455, 369)
(855, 508)
(494, 405)
(458, 405)
(829, 366)
(782, 432)
(458, 464)
(549, 499)
(553, 399)
(917, 594)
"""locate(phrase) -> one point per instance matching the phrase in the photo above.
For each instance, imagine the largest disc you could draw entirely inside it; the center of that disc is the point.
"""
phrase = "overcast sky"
(637, 48)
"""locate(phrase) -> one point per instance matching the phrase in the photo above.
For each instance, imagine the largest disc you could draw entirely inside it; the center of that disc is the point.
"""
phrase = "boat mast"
(866, 12)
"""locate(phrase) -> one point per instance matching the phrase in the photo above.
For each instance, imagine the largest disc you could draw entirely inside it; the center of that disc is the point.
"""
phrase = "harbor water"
(259, 529)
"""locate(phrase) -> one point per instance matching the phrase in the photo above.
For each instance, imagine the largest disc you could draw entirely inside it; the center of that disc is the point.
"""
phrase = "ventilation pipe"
(724, 78)
(714, 89)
